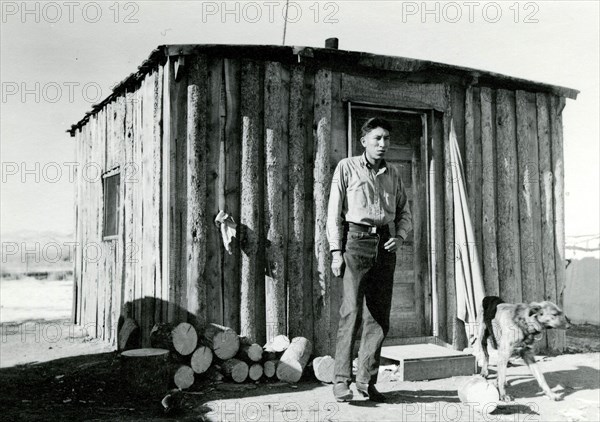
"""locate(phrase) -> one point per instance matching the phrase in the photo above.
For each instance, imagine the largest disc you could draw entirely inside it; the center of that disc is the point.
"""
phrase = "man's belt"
(363, 228)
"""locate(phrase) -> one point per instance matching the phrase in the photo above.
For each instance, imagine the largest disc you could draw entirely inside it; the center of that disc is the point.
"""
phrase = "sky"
(58, 58)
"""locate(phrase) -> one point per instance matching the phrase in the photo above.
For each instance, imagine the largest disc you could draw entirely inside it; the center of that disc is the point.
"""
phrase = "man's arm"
(335, 221)
(403, 219)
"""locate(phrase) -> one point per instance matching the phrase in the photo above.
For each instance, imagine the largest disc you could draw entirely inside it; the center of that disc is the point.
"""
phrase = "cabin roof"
(325, 57)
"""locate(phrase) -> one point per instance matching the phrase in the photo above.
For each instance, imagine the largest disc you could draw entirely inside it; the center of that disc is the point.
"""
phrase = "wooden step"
(417, 362)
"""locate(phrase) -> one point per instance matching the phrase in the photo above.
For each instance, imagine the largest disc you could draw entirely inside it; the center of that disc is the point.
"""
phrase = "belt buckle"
(373, 230)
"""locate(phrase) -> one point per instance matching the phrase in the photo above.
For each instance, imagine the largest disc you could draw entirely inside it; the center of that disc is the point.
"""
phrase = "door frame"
(426, 145)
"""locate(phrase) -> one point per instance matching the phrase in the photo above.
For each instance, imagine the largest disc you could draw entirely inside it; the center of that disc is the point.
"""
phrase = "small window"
(110, 185)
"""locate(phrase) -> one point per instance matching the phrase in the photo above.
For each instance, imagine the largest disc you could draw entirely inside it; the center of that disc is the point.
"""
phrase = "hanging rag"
(228, 228)
(469, 279)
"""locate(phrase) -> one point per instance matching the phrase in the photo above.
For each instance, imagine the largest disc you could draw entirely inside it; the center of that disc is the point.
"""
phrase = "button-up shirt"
(363, 195)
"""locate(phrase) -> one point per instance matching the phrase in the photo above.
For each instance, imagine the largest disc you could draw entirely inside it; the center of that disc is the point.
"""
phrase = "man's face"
(376, 143)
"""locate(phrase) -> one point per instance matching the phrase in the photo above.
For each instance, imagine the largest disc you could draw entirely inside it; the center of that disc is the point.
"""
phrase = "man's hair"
(374, 123)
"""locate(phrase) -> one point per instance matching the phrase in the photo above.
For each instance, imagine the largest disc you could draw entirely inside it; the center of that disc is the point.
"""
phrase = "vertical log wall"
(514, 167)
(260, 140)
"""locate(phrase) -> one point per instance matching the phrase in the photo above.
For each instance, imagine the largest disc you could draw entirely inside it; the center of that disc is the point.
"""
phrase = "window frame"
(116, 172)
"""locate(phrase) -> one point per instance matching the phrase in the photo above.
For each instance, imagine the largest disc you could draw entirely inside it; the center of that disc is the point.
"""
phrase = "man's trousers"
(367, 298)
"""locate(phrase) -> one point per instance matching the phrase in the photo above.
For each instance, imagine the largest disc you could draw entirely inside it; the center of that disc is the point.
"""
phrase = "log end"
(184, 377)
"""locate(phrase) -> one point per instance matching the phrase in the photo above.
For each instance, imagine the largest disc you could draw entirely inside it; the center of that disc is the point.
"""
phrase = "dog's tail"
(490, 304)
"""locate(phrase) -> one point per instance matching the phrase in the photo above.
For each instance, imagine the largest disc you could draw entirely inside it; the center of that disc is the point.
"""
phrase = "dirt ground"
(50, 370)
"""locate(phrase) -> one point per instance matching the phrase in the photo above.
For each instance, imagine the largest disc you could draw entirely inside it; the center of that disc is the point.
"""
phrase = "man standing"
(366, 196)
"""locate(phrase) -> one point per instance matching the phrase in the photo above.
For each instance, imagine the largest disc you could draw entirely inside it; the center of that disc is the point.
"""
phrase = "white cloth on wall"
(468, 274)
(228, 229)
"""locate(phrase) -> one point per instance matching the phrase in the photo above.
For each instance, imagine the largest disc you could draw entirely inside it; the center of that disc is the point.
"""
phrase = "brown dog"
(513, 328)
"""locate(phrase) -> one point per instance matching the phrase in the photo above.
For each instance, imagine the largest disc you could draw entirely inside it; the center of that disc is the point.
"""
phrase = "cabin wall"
(261, 140)
(121, 277)
(514, 176)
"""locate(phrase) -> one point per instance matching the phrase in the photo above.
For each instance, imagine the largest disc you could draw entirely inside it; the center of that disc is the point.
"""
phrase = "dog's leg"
(503, 356)
(483, 336)
(535, 371)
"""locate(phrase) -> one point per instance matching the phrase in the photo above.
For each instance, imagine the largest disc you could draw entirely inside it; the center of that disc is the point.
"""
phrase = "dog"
(513, 329)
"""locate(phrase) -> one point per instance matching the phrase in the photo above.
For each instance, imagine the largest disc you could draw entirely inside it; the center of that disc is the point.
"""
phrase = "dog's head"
(549, 315)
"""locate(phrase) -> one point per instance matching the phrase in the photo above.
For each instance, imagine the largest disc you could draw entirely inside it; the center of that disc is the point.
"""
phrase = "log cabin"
(256, 131)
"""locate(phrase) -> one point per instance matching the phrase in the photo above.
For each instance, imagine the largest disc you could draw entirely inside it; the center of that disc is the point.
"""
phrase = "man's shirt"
(361, 195)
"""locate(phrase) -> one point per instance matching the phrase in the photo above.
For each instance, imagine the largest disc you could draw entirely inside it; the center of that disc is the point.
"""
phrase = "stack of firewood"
(218, 353)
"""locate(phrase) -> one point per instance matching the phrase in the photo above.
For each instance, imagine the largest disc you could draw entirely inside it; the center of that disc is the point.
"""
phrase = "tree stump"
(323, 367)
(235, 369)
(223, 341)
(201, 359)
(146, 371)
(184, 377)
(185, 338)
(294, 359)
(270, 368)
(255, 371)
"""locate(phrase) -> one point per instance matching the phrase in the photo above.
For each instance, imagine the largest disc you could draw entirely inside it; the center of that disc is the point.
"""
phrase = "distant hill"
(30, 251)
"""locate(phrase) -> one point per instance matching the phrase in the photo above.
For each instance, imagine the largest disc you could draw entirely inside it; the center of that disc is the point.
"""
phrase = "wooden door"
(407, 318)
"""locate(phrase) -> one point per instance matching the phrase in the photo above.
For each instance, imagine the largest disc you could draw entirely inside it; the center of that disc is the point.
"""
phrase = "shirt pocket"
(356, 193)
(389, 199)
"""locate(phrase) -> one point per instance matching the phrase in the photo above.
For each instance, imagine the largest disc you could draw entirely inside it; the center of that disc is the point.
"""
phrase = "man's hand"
(392, 244)
(337, 263)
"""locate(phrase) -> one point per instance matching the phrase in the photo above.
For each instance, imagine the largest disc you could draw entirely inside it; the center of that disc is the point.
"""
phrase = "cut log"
(146, 371)
(129, 335)
(277, 344)
(323, 366)
(294, 359)
(255, 371)
(201, 359)
(185, 338)
(250, 353)
(223, 341)
(235, 369)
(160, 336)
(184, 377)
(270, 368)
